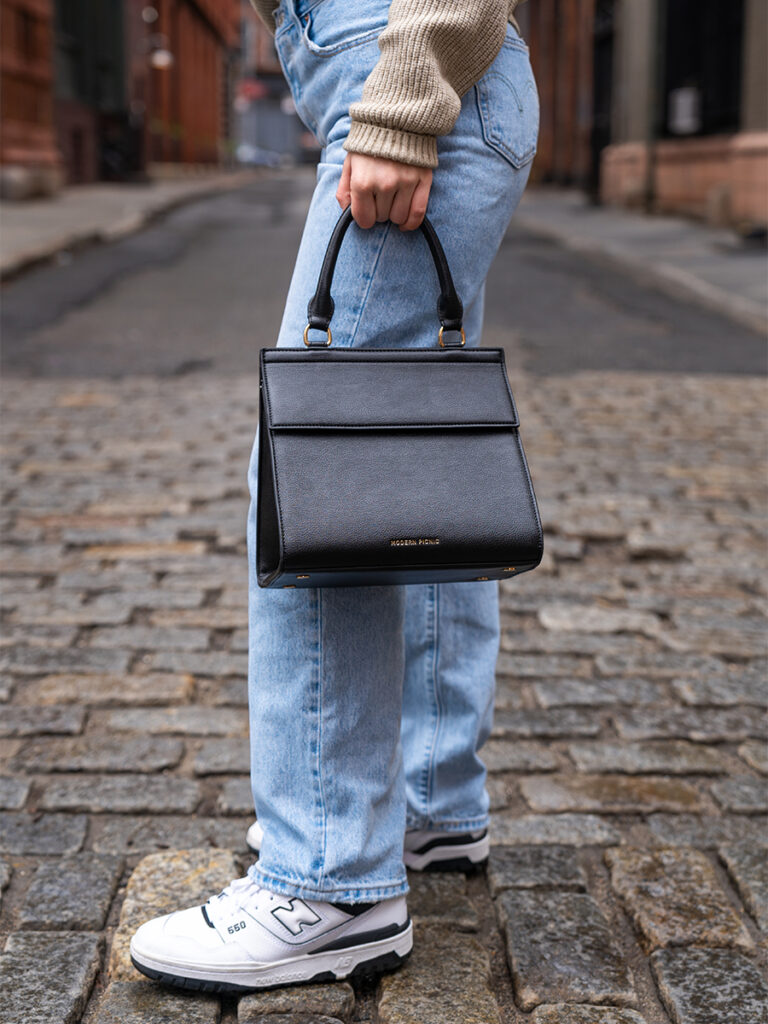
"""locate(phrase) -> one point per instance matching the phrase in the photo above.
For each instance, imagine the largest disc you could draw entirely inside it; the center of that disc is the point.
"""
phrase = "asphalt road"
(203, 288)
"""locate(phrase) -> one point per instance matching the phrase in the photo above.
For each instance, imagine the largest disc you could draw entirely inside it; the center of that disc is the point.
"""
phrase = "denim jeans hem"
(460, 825)
(360, 894)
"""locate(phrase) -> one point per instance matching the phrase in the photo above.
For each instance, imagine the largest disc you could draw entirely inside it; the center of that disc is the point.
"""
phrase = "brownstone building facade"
(30, 162)
(655, 104)
(103, 91)
(189, 99)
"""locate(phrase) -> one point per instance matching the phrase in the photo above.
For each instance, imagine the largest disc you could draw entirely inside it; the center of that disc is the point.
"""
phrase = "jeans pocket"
(508, 102)
(329, 29)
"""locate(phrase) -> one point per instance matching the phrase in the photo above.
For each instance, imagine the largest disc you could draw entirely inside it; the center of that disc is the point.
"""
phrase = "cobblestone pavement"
(627, 882)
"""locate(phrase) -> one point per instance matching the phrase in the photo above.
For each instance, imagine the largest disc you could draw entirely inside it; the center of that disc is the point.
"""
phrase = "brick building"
(657, 104)
(94, 91)
(30, 162)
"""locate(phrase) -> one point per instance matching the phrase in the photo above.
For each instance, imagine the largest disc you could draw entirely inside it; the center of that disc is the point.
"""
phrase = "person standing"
(368, 705)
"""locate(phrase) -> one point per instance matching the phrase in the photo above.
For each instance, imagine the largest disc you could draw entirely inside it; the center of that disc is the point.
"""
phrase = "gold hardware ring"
(442, 343)
(309, 344)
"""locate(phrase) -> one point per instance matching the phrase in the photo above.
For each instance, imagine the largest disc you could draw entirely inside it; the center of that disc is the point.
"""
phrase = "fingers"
(342, 192)
(418, 204)
(363, 206)
(381, 190)
(401, 205)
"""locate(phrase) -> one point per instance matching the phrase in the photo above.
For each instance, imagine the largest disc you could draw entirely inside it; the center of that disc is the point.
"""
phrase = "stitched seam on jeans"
(321, 677)
(435, 693)
(384, 237)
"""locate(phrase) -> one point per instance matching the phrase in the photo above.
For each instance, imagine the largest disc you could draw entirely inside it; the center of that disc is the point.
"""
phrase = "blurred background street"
(147, 249)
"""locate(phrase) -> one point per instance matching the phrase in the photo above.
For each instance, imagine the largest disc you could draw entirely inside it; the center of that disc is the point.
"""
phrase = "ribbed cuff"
(405, 147)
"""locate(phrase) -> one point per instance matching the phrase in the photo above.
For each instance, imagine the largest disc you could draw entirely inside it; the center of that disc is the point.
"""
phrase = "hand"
(380, 189)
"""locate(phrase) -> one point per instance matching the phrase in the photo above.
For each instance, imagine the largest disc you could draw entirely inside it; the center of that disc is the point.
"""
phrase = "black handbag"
(396, 465)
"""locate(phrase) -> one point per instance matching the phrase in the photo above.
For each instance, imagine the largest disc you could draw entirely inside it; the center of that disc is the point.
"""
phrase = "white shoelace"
(240, 895)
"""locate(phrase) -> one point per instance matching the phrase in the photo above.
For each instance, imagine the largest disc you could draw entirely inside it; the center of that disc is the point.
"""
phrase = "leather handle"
(450, 311)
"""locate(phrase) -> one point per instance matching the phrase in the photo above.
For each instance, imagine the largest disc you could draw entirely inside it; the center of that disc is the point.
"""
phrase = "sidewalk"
(683, 258)
(38, 229)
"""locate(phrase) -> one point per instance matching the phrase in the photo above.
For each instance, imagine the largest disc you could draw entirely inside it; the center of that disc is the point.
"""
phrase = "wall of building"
(720, 176)
(30, 161)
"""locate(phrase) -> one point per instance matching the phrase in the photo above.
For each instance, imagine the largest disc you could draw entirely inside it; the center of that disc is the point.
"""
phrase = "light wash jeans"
(368, 705)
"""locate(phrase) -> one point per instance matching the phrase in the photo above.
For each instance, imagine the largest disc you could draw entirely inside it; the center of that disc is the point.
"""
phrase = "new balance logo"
(295, 915)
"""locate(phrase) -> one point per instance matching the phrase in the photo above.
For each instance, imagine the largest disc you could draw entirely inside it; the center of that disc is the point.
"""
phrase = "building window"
(701, 66)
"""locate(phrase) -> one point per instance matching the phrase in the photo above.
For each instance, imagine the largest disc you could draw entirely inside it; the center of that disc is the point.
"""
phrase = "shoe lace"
(240, 895)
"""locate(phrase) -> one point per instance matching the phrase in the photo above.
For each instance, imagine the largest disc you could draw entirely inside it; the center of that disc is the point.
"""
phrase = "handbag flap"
(391, 388)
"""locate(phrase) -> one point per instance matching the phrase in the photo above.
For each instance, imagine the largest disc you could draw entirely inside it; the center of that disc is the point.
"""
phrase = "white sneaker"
(249, 938)
(424, 851)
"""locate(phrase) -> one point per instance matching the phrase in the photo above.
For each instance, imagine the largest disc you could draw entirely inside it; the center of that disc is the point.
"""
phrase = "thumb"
(343, 194)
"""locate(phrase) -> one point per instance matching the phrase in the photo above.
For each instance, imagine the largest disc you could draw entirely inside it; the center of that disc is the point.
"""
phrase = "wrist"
(392, 144)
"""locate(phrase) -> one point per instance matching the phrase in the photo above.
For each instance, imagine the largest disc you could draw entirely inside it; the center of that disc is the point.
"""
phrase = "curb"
(665, 277)
(126, 225)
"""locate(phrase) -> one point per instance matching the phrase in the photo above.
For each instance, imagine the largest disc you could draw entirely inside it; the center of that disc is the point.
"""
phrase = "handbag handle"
(450, 311)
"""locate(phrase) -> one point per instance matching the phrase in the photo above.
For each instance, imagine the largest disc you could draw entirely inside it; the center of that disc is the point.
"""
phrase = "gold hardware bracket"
(478, 578)
(510, 569)
(442, 343)
(310, 344)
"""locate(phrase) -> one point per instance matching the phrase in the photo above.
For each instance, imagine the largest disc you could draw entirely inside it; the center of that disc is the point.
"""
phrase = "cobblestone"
(744, 794)
(561, 1013)
(332, 1000)
(235, 797)
(99, 753)
(610, 794)
(512, 829)
(446, 978)
(560, 949)
(35, 661)
(137, 835)
(699, 986)
(556, 693)
(534, 867)
(441, 899)
(702, 724)
(109, 690)
(150, 638)
(43, 834)
(672, 757)
(21, 721)
(153, 794)
(13, 793)
(756, 755)
(675, 899)
(546, 724)
(223, 757)
(703, 831)
(134, 1002)
(27, 992)
(75, 895)
(518, 757)
(627, 682)
(744, 687)
(188, 721)
(747, 863)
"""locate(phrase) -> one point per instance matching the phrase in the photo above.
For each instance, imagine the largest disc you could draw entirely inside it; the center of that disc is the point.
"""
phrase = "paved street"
(627, 882)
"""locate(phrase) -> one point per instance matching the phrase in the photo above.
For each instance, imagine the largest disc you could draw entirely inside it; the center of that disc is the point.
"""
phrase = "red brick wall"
(26, 83)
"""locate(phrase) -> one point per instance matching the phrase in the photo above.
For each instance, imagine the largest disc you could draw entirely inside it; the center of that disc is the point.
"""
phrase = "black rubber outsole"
(369, 969)
(463, 864)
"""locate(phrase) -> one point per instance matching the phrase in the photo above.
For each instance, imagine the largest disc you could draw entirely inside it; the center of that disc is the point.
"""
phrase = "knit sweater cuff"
(392, 144)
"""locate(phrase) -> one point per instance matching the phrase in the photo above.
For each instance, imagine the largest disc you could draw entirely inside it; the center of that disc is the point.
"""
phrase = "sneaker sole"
(469, 858)
(366, 961)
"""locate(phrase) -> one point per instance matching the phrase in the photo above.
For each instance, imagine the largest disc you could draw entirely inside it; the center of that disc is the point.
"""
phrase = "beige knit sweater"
(432, 52)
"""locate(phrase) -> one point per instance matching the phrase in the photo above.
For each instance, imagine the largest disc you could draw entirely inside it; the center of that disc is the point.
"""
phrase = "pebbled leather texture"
(362, 447)
(320, 309)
